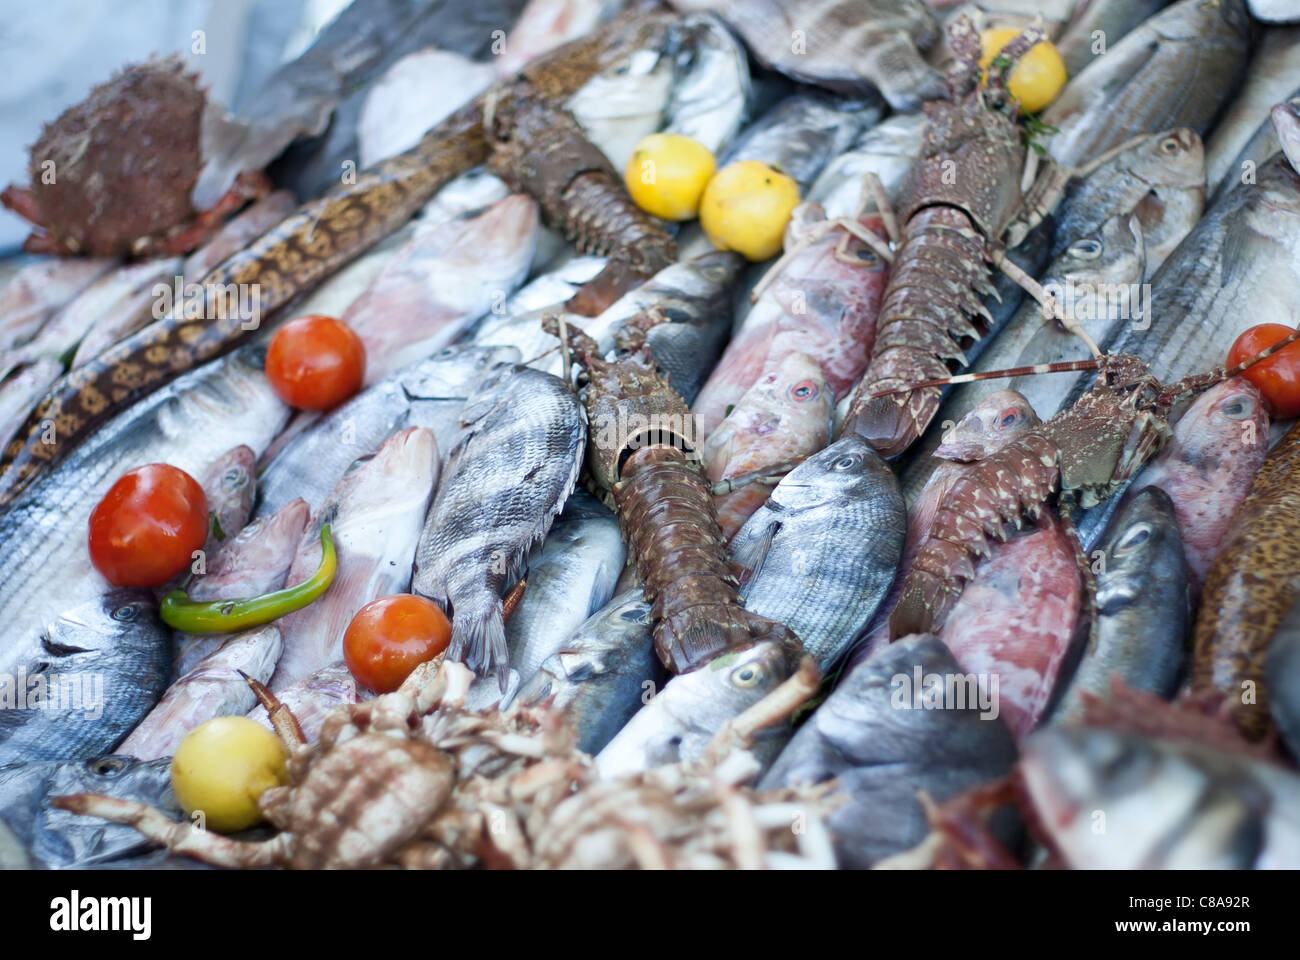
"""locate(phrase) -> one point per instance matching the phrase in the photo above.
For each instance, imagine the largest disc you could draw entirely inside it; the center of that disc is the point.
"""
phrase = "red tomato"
(148, 525)
(391, 636)
(315, 362)
(1278, 377)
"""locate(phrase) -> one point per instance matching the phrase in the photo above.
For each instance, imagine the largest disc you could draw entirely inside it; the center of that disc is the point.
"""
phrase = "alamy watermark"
(945, 691)
(209, 301)
(54, 692)
(1114, 301)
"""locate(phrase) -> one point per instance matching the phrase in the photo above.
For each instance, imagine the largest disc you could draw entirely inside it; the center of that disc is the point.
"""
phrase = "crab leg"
(282, 719)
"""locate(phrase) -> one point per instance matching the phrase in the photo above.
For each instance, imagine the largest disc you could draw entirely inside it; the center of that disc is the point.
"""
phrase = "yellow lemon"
(746, 207)
(1039, 75)
(667, 173)
(221, 768)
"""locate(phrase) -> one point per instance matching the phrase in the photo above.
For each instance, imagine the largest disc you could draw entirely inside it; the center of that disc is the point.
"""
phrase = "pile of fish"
(657, 488)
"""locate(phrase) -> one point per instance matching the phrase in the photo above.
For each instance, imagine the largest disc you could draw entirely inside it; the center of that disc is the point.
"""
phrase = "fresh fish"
(414, 95)
(1282, 673)
(854, 47)
(97, 670)
(506, 481)
(1167, 804)
(1160, 180)
(518, 323)
(311, 699)
(21, 391)
(1207, 469)
(58, 839)
(254, 562)
(1017, 620)
(1142, 606)
(429, 393)
(214, 688)
(570, 577)
(44, 568)
(1262, 145)
(603, 673)
(711, 93)
(1097, 25)
(546, 24)
(819, 304)
(784, 417)
(824, 547)
(889, 150)
(40, 288)
(679, 721)
(230, 484)
(884, 742)
(374, 516)
(447, 276)
(1175, 70)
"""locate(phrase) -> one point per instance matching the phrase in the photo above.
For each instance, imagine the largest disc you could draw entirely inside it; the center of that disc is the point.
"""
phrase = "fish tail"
(478, 638)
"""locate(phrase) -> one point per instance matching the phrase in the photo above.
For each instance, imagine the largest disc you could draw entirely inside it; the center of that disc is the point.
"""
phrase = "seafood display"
(660, 434)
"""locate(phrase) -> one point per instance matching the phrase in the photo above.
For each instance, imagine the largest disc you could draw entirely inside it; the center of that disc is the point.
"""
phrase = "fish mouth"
(964, 451)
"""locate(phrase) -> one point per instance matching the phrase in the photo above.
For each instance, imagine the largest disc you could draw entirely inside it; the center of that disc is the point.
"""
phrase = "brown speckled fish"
(1252, 585)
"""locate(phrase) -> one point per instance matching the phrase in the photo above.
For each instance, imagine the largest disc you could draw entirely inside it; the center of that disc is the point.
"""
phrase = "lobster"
(1085, 454)
(642, 455)
(960, 198)
(517, 125)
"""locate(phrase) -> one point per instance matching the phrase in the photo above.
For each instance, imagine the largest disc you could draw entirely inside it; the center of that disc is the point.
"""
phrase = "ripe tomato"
(315, 362)
(1278, 377)
(391, 636)
(148, 526)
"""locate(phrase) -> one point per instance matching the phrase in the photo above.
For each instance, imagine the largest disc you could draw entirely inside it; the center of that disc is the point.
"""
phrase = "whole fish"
(374, 515)
(230, 485)
(570, 577)
(1142, 606)
(1282, 672)
(1017, 619)
(506, 481)
(214, 688)
(58, 839)
(851, 46)
(1097, 25)
(1251, 587)
(429, 393)
(1160, 180)
(889, 150)
(819, 304)
(784, 417)
(1167, 804)
(252, 563)
(98, 669)
(45, 571)
(824, 547)
(1263, 143)
(312, 698)
(1207, 469)
(41, 287)
(447, 276)
(679, 721)
(884, 743)
(711, 92)
(1175, 70)
(604, 672)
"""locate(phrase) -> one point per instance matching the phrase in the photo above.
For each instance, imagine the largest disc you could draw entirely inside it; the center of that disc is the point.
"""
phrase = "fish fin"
(478, 638)
(751, 544)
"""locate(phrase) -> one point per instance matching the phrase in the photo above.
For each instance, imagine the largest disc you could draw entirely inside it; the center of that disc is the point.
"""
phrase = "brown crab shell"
(120, 165)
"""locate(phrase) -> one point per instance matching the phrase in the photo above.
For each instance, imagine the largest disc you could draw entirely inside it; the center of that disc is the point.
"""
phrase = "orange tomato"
(1278, 377)
(147, 527)
(391, 636)
(315, 362)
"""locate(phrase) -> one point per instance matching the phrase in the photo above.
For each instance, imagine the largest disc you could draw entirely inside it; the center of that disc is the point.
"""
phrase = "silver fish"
(1097, 25)
(1142, 606)
(1263, 143)
(374, 515)
(603, 673)
(1167, 804)
(212, 689)
(824, 547)
(1175, 70)
(39, 288)
(884, 743)
(570, 576)
(507, 479)
(711, 92)
(889, 150)
(679, 721)
(312, 698)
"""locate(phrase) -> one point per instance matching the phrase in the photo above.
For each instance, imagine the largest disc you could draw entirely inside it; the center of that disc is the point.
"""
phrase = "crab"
(113, 175)
(413, 780)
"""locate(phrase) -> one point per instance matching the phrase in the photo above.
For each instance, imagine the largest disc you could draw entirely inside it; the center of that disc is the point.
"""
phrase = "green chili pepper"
(226, 616)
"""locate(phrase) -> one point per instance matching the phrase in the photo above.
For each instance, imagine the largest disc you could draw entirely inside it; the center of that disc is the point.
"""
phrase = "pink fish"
(784, 416)
(1016, 620)
(821, 303)
(1208, 466)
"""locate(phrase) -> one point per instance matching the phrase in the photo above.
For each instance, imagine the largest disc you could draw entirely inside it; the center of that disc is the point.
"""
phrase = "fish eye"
(234, 477)
(1238, 408)
(844, 463)
(804, 390)
(1087, 249)
(107, 766)
(127, 613)
(446, 352)
(1008, 417)
(1169, 145)
(1137, 535)
(746, 676)
(867, 255)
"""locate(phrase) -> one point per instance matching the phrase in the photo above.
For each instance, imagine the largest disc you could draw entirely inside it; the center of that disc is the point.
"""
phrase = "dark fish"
(876, 734)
